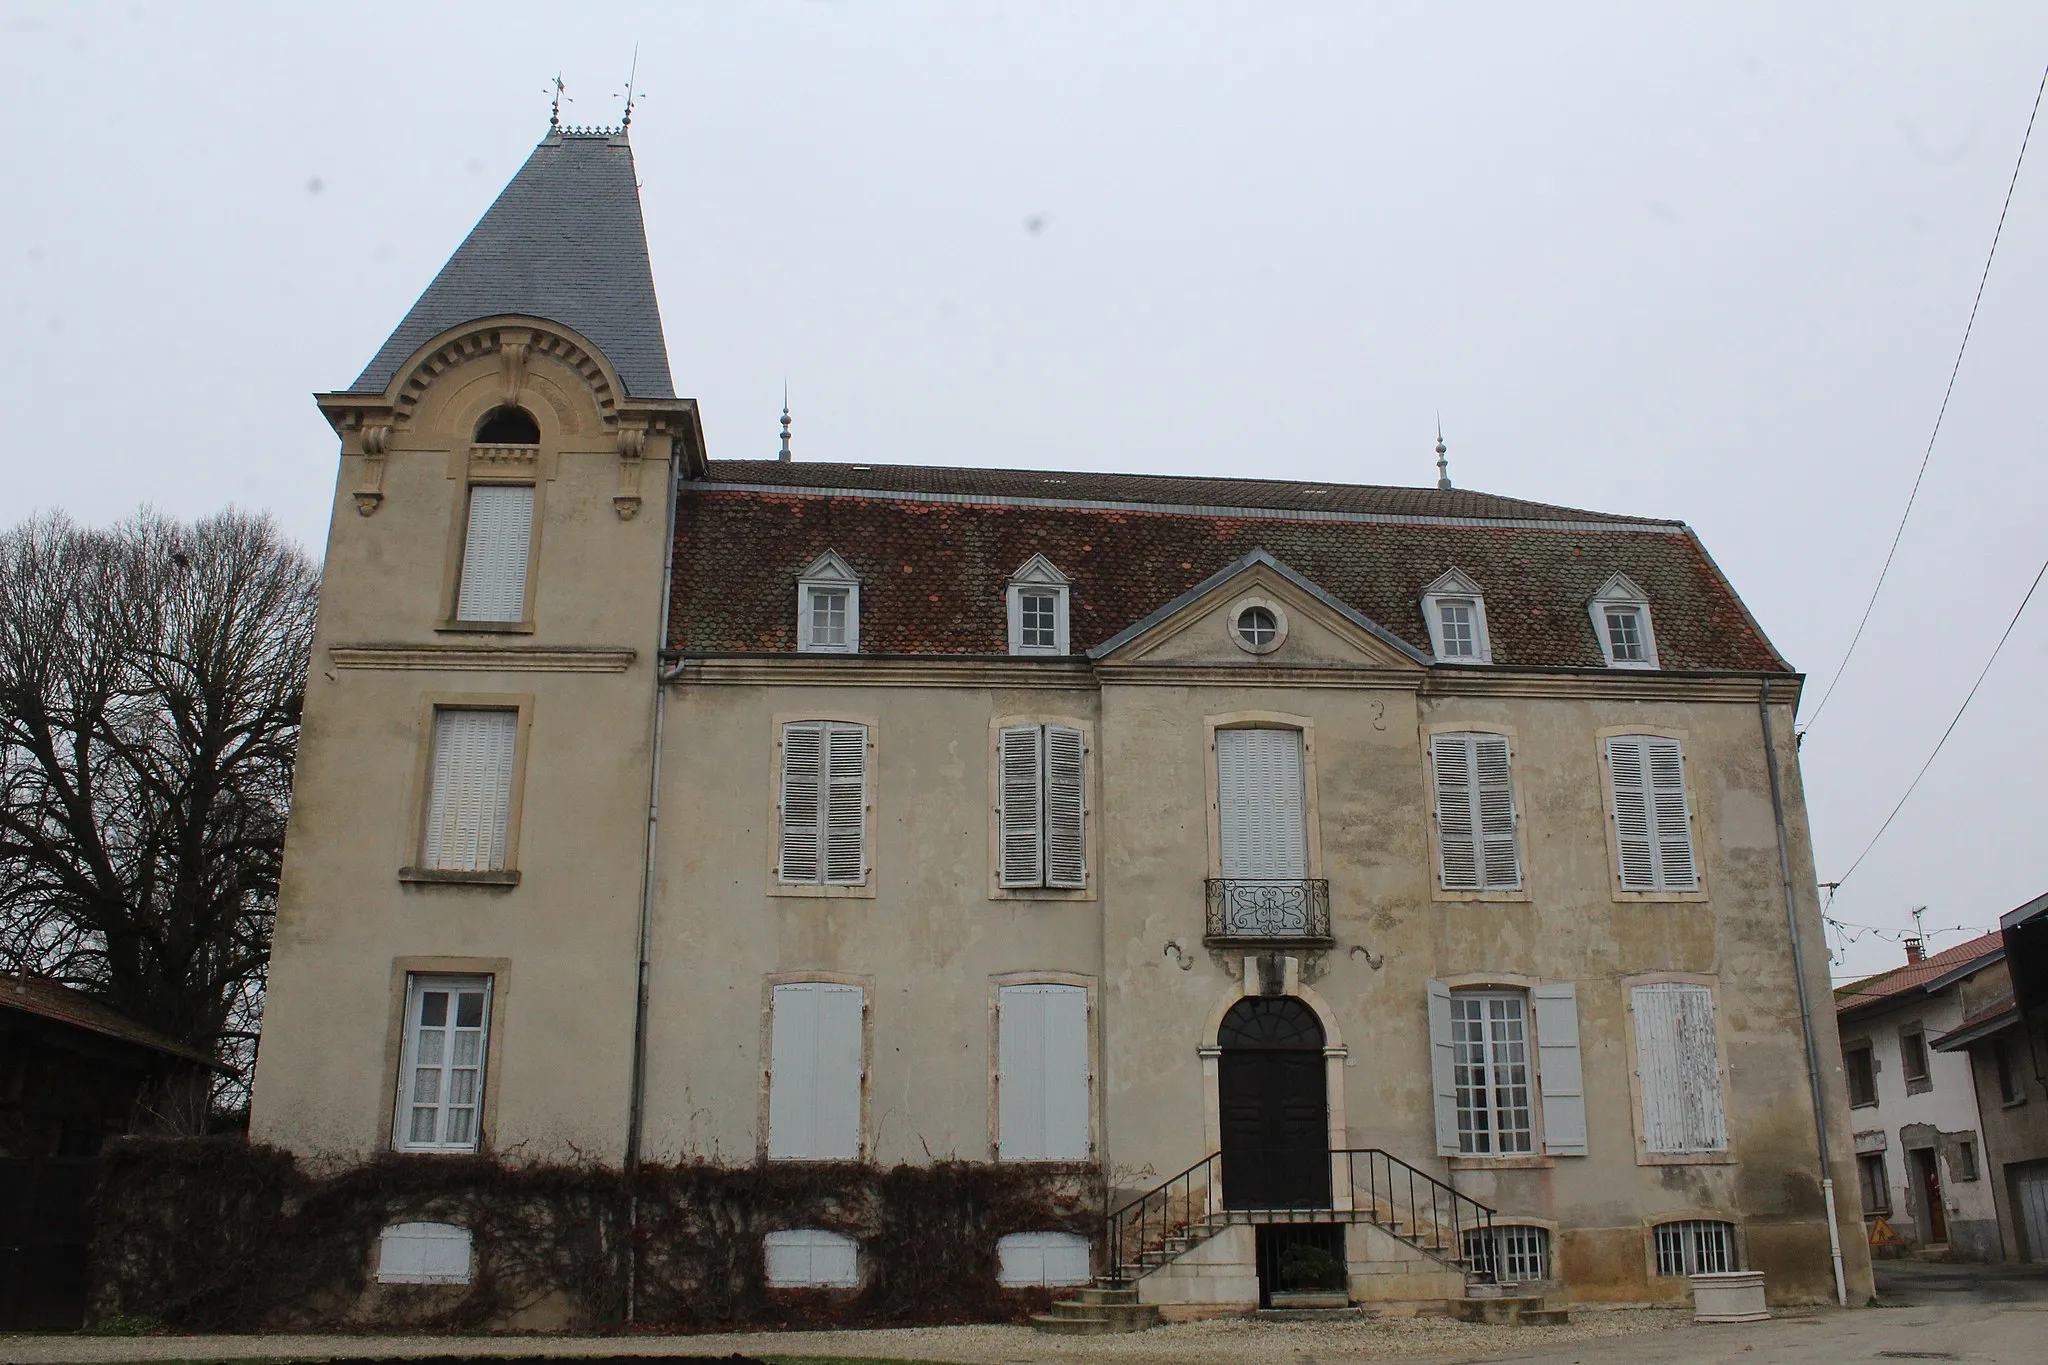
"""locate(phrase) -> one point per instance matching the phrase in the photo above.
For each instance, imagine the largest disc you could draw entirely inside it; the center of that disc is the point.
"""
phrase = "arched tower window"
(508, 426)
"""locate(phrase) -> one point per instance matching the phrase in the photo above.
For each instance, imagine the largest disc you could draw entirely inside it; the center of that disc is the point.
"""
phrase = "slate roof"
(935, 549)
(51, 1000)
(1887, 987)
(564, 242)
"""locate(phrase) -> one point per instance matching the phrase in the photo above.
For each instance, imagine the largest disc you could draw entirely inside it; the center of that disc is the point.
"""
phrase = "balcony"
(1248, 912)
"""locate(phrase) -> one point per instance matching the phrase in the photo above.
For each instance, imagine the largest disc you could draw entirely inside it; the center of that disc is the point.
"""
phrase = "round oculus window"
(1258, 628)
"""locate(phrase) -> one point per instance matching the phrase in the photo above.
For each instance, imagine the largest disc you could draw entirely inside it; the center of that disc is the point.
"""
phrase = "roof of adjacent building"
(1920, 978)
(564, 242)
(935, 549)
(49, 999)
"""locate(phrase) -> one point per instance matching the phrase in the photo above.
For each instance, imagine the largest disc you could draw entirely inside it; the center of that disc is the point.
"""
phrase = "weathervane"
(1443, 464)
(626, 119)
(555, 109)
(784, 457)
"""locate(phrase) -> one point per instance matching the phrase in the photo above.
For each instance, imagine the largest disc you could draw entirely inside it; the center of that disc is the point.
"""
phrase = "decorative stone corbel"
(371, 493)
(512, 369)
(632, 449)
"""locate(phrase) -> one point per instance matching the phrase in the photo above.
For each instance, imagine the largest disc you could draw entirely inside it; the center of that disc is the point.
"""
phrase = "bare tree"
(151, 676)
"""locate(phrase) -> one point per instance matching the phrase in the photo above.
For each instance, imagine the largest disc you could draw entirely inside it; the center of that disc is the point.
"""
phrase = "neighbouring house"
(2004, 1034)
(1404, 867)
(1920, 1158)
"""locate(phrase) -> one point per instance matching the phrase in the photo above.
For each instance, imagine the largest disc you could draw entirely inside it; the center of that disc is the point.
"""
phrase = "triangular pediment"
(1620, 588)
(829, 568)
(1315, 629)
(1454, 583)
(1039, 569)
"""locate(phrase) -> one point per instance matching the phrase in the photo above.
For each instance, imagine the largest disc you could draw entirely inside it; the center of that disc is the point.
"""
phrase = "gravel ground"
(1230, 1341)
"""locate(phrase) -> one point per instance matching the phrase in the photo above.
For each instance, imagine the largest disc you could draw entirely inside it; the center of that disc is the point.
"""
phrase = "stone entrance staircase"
(1097, 1312)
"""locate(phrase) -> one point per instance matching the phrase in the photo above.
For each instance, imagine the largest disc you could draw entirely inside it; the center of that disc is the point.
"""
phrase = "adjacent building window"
(1038, 608)
(469, 796)
(1696, 1247)
(495, 549)
(1475, 813)
(1875, 1185)
(1861, 1069)
(1042, 1072)
(824, 808)
(1262, 805)
(1621, 618)
(441, 1076)
(1511, 1255)
(1031, 1259)
(2011, 1089)
(1490, 1035)
(1456, 615)
(1913, 1060)
(1965, 1164)
(816, 1039)
(811, 1258)
(1678, 1069)
(828, 607)
(1492, 1079)
(1041, 807)
(1652, 822)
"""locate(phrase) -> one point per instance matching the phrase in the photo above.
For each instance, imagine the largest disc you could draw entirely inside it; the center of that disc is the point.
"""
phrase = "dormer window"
(828, 607)
(1038, 608)
(1621, 618)
(1455, 611)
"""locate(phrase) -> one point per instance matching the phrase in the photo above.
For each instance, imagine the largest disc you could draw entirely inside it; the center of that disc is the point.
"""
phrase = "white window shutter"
(1066, 1072)
(1559, 1071)
(1500, 867)
(841, 1015)
(1676, 870)
(1457, 850)
(1443, 1069)
(1261, 806)
(802, 773)
(1678, 1068)
(469, 803)
(494, 553)
(814, 1078)
(1019, 816)
(846, 805)
(1066, 802)
(1020, 1073)
(1634, 850)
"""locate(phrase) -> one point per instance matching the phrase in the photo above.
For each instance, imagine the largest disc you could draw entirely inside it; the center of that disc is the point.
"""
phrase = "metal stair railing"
(1418, 1208)
(1164, 1221)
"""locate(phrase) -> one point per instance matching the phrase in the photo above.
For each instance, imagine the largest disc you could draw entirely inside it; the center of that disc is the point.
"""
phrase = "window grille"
(1696, 1247)
(1511, 1255)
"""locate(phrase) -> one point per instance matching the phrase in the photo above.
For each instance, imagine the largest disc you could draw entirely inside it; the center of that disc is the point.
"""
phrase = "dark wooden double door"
(1274, 1106)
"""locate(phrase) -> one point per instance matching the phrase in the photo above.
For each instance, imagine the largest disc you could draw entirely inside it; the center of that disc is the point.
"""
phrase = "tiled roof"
(933, 568)
(50, 1000)
(564, 242)
(1900, 981)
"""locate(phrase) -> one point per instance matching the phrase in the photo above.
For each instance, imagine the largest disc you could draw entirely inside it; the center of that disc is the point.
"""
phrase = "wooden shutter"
(1443, 1072)
(1678, 1068)
(1559, 1072)
(1066, 847)
(1634, 851)
(1500, 867)
(814, 1078)
(494, 553)
(469, 802)
(1475, 813)
(1457, 852)
(846, 810)
(802, 770)
(1042, 1073)
(1260, 804)
(1666, 764)
(1020, 792)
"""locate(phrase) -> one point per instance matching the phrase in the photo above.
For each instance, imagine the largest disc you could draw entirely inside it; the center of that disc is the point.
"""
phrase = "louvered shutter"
(1443, 1073)
(814, 1078)
(1499, 866)
(494, 553)
(1559, 1071)
(1666, 764)
(1066, 847)
(846, 812)
(1260, 803)
(1457, 852)
(1678, 1068)
(1042, 1073)
(1628, 777)
(469, 804)
(1020, 812)
(802, 770)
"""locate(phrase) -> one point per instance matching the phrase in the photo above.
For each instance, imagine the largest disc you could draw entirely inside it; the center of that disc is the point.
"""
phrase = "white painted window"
(816, 1036)
(1038, 608)
(1696, 1247)
(1475, 813)
(811, 1258)
(1652, 819)
(1042, 1072)
(494, 553)
(1489, 1081)
(1455, 613)
(469, 799)
(1511, 1255)
(824, 809)
(441, 1076)
(1041, 807)
(423, 1253)
(1261, 805)
(828, 607)
(1031, 1259)
(1621, 620)
(1678, 1068)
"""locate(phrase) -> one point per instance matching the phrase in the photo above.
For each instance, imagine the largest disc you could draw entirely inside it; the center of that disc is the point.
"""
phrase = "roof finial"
(555, 109)
(1443, 464)
(626, 119)
(784, 457)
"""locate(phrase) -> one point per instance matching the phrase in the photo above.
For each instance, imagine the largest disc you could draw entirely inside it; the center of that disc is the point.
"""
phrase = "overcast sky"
(1708, 263)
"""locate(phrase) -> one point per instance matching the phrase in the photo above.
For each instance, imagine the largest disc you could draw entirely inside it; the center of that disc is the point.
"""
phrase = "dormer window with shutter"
(828, 607)
(1621, 618)
(1455, 611)
(1041, 807)
(1038, 608)
(1475, 813)
(1652, 822)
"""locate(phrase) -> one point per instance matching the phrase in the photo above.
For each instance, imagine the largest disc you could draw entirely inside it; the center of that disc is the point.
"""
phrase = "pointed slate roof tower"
(564, 242)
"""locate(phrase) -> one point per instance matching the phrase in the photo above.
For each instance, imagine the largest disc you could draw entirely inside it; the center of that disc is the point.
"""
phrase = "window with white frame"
(1041, 807)
(1042, 1072)
(1652, 819)
(1032, 1259)
(441, 1075)
(1455, 612)
(828, 607)
(810, 1258)
(469, 793)
(1493, 1079)
(1697, 1246)
(816, 1040)
(1262, 806)
(1490, 1032)
(1621, 618)
(824, 804)
(1475, 813)
(1511, 1254)
(1678, 1068)
(495, 549)
(1038, 608)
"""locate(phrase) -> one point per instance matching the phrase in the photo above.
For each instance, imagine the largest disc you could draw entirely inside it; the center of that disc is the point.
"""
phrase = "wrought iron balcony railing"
(1260, 910)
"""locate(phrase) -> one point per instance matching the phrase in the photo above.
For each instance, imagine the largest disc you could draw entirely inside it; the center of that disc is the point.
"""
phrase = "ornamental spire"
(1443, 463)
(784, 457)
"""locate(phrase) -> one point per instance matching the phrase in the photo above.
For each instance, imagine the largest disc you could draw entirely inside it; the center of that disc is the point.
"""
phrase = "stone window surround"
(412, 871)
(766, 1042)
(403, 969)
(1091, 804)
(995, 1035)
(1727, 1156)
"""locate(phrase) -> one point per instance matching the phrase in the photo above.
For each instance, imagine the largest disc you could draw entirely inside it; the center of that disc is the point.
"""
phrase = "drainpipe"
(1820, 1123)
(636, 1110)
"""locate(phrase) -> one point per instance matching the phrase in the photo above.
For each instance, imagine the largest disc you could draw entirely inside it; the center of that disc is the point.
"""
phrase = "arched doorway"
(1273, 1105)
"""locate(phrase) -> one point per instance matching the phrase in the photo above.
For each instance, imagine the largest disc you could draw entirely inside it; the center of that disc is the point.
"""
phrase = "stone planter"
(1311, 1298)
(1733, 1296)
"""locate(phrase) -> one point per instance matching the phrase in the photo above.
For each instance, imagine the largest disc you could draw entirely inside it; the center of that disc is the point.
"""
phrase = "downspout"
(1820, 1123)
(636, 1110)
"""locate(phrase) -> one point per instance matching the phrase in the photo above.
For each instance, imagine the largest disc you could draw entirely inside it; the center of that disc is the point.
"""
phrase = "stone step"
(1071, 1317)
(1071, 1327)
(1543, 1317)
(1501, 1309)
(1095, 1295)
(1351, 1314)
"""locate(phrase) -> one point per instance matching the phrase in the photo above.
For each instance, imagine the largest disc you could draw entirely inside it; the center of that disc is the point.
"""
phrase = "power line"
(1947, 393)
(2042, 572)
